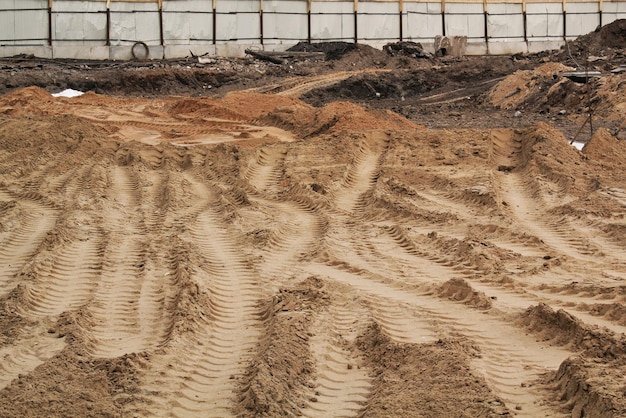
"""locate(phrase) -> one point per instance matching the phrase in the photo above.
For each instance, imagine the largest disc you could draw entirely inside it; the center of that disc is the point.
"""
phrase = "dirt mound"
(520, 86)
(335, 117)
(431, 372)
(605, 148)
(333, 50)
(183, 254)
(608, 42)
(27, 100)
(461, 291)
(609, 100)
(283, 364)
(560, 327)
(573, 383)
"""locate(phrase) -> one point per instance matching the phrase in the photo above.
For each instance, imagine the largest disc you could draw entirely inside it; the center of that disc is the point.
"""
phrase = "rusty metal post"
(356, 30)
(401, 9)
(108, 28)
(160, 4)
(214, 22)
(50, 22)
(308, 21)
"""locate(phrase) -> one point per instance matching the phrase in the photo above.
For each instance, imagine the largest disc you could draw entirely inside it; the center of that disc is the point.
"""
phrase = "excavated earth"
(356, 235)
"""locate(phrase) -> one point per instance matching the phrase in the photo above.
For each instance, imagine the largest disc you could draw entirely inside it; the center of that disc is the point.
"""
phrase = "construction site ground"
(355, 234)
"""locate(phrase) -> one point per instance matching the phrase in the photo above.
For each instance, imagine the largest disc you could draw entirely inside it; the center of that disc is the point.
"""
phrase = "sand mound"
(422, 366)
(605, 147)
(517, 88)
(461, 291)
(335, 117)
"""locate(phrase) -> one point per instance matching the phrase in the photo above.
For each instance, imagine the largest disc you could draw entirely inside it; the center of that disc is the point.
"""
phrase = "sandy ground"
(251, 254)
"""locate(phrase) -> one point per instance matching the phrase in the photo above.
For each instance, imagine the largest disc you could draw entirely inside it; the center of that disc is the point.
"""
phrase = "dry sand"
(253, 255)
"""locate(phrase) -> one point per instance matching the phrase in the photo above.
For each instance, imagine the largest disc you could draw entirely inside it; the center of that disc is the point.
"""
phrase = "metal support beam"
(524, 18)
(356, 27)
(214, 22)
(308, 21)
(50, 22)
(160, 3)
(261, 21)
(565, 20)
(400, 11)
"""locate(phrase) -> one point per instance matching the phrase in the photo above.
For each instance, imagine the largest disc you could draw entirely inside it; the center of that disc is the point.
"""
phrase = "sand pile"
(257, 256)
(517, 88)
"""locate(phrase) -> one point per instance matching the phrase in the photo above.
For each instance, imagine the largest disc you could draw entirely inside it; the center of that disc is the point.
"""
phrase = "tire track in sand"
(362, 173)
(34, 348)
(123, 318)
(525, 207)
(265, 170)
(342, 386)
(509, 358)
(195, 373)
(25, 236)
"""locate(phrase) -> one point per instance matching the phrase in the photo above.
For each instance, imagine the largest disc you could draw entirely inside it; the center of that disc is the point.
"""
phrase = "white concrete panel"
(545, 20)
(132, 22)
(7, 27)
(326, 7)
(125, 52)
(182, 51)
(182, 28)
(81, 52)
(332, 27)
(538, 46)
(38, 51)
(78, 6)
(465, 20)
(79, 28)
(284, 6)
(188, 6)
(31, 24)
(476, 48)
(505, 20)
(285, 27)
(582, 18)
(507, 47)
(612, 11)
(228, 6)
(239, 27)
(23, 4)
(332, 20)
(119, 6)
(378, 21)
(423, 20)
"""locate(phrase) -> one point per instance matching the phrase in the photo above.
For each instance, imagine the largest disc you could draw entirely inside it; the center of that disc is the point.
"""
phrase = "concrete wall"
(79, 29)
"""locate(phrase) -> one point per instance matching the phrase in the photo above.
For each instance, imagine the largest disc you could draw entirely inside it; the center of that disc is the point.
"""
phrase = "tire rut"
(196, 372)
(362, 173)
(118, 328)
(21, 244)
(507, 362)
(525, 206)
(342, 385)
